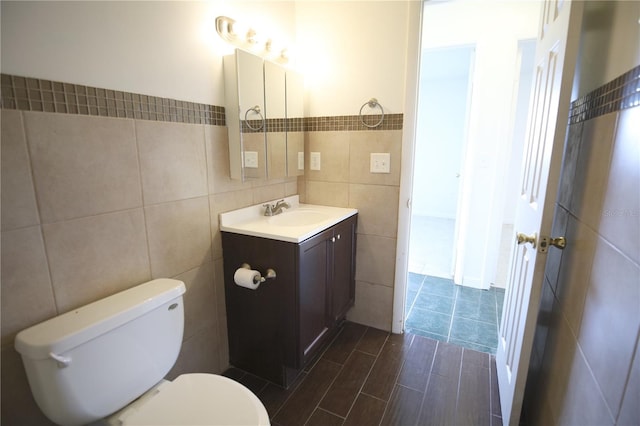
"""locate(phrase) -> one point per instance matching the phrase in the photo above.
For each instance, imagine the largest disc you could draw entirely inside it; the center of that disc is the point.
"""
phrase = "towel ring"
(255, 109)
(373, 102)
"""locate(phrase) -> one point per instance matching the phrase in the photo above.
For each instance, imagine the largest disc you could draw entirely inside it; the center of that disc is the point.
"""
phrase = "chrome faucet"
(272, 210)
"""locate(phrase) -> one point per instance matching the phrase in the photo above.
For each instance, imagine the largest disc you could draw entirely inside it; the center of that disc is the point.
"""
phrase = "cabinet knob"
(338, 237)
(333, 239)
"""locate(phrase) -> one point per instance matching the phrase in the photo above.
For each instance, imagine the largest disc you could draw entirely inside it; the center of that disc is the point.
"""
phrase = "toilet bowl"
(111, 356)
(194, 399)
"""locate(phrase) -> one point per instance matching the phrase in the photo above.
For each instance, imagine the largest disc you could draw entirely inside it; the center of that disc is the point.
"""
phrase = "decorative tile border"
(353, 122)
(618, 94)
(31, 94)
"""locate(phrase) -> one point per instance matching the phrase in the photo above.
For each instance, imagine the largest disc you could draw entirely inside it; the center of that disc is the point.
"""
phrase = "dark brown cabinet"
(277, 329)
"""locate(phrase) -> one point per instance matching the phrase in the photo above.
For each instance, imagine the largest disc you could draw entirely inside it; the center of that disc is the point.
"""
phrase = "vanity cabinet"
(279, 328)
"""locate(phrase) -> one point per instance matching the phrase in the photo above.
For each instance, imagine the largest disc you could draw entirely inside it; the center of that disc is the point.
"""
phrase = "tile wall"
(586, 356)
(345, 181)
(94, 204)
(101, 194)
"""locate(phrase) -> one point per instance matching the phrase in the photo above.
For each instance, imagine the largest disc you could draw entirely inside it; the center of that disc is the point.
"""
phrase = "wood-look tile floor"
(371, 377)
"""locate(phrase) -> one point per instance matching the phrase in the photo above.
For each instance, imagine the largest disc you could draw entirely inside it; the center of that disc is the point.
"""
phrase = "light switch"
(301, 160)
(380, 162)
(315, 161)
(251, 159)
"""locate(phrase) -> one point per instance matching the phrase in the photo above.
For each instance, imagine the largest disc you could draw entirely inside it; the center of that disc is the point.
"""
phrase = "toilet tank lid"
(66, 331)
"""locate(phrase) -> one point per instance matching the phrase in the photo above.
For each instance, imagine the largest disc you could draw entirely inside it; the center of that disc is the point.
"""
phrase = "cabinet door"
(342, 289)
(314, 273)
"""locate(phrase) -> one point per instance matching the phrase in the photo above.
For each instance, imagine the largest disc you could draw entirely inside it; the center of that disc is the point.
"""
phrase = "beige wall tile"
(574, 271)
(611, 320)
(334, 156)
(268, 193)
(302, 189)
(27, 295)
(179, 236)
(593, 164)
(217, 147)
(18, 202)
(224, 202)
(377, 208)
(569, 164)
(223, 335)
(373, 306)
(199, 300)
(630, 410)
(276, 154)
(199, 354)
(363, 144)
(582, 403)
(172, 161)
(97, 256)
(327, 193)
(82, 165)
(375, 259)
(18, 405)
(291, 187)
(620, 218)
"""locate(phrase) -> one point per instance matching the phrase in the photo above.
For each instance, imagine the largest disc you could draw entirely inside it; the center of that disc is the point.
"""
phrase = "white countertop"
(294, 224)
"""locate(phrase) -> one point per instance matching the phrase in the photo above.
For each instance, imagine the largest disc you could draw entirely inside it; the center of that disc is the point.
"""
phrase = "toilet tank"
(94, 360)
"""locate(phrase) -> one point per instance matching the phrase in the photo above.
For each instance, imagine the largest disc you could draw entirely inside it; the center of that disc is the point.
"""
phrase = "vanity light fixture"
(242, 36)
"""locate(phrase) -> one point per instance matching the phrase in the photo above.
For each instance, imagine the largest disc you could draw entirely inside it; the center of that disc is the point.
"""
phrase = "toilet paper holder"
(270, 274)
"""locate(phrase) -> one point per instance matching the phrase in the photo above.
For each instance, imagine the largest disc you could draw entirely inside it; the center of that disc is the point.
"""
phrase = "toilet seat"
(200, 399)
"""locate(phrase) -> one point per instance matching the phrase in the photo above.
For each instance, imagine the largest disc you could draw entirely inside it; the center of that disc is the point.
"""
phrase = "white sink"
(298, 217)
(294, 224)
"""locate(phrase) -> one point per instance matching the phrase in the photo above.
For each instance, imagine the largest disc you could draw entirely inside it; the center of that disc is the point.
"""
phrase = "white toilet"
(111, 356)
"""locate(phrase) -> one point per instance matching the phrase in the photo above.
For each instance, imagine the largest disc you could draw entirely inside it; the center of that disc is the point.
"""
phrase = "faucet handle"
(268, 209)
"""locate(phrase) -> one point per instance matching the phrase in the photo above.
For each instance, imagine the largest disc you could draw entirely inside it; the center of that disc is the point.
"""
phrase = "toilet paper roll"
(248, 278)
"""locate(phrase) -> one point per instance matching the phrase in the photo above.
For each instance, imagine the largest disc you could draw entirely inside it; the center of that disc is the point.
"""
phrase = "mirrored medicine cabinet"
(264, 111)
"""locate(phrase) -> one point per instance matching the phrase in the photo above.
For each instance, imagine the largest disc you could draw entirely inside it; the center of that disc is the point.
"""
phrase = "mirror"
(295, 116)
(275, 104)
(264, 112)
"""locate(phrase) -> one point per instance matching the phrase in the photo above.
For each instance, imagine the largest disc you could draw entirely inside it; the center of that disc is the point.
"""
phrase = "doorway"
(448, 219)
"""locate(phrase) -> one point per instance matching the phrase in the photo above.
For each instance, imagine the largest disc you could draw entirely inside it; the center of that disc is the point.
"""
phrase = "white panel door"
(556, 54)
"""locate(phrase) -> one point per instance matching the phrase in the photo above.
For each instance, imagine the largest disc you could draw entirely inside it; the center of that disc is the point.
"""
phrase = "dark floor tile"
(473, 395)
(439, 405)
(345, 388)
(404, 407)
(447, 360)
(344, 343)
(482, 333)
(274, 396)
(497, 421)
(234, 373)
(372, 341)
(433, 322)
(321, 417)
(480, 359)
(253, 383)
(367, 410)
(496, 409)
(302, 403)
(382, 378)
(435, 302)
(417, 366)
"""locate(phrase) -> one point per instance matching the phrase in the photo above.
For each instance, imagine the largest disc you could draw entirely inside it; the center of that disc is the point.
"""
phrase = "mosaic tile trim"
(31, 94)
(620, 93)
(353, 122)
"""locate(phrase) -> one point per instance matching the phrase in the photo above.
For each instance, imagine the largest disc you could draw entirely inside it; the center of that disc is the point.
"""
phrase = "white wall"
(495, 28)
(351, 51)
(167, 49)
(440, 131)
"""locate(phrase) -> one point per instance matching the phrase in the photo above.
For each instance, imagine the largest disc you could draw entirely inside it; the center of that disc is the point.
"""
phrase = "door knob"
(524, 238)
(558, 242)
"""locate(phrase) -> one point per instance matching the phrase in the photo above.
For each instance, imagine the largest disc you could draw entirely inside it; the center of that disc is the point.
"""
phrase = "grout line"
(424, 395)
